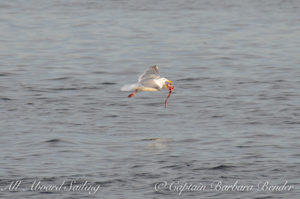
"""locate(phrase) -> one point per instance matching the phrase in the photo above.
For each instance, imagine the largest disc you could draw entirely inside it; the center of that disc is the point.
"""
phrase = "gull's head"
(165, 82)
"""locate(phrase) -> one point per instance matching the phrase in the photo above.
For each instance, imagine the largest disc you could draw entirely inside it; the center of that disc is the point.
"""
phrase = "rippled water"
(234, 114)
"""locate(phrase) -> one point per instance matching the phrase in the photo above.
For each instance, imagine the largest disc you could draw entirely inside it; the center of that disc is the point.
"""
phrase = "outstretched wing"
(150, 73)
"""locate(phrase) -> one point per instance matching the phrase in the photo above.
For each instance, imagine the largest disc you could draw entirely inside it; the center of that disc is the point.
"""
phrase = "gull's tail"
(129, 87)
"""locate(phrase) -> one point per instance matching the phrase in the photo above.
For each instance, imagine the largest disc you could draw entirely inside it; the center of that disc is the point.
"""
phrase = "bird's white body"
(150, 80)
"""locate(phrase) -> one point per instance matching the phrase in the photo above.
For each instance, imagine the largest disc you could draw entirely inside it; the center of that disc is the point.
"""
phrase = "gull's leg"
(133, 94)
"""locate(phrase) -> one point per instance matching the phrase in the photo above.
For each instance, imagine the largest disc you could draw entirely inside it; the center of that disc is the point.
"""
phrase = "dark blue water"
(233, 116)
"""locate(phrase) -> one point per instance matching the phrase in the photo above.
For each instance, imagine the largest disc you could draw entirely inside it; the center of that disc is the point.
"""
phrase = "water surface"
(234, 114)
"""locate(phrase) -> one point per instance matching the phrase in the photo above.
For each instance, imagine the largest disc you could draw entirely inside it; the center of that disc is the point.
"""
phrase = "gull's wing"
(150, 73)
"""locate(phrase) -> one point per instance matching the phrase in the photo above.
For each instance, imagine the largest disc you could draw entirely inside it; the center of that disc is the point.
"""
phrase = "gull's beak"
(169, 82)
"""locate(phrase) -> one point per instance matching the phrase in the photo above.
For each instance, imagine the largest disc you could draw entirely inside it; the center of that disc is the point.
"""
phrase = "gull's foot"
(132, 94)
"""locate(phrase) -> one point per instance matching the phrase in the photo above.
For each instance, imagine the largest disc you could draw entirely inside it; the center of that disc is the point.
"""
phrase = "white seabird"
(150, 80)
